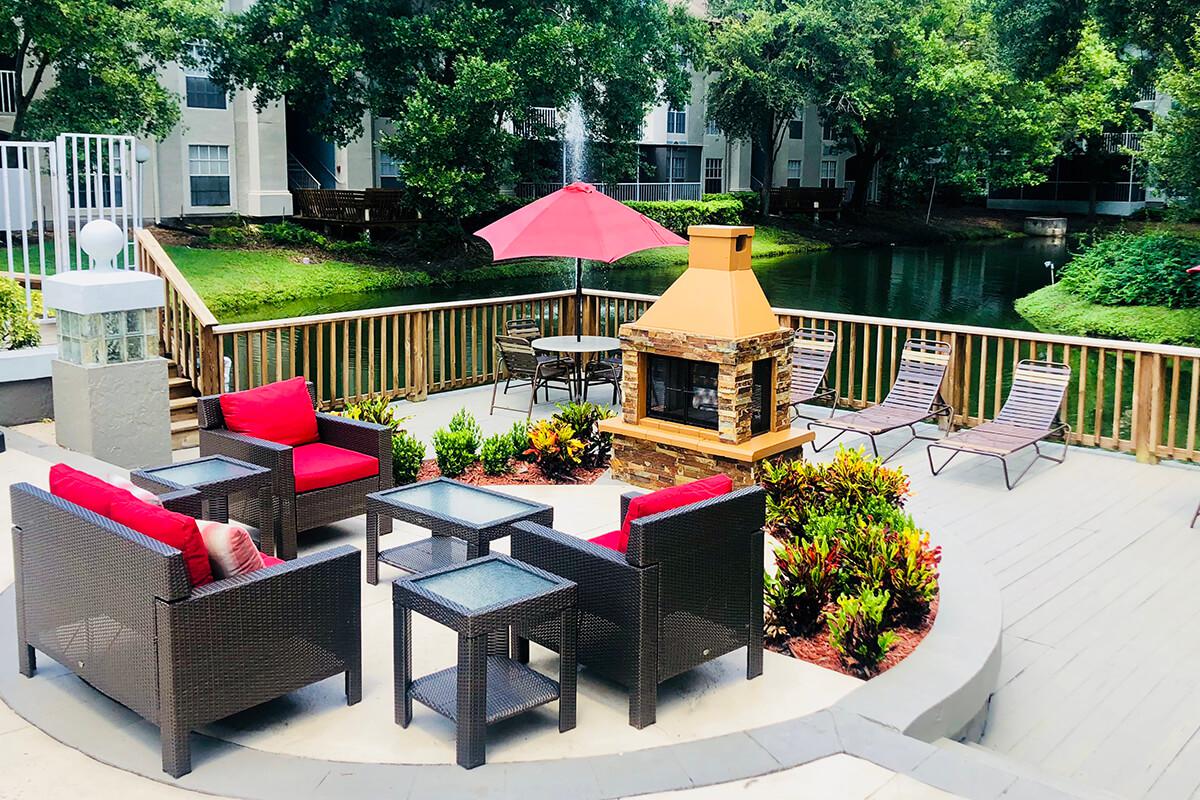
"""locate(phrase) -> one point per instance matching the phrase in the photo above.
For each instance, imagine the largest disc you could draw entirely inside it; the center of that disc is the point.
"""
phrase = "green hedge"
(678, 215)
(1053, 309)
(1144, 269)
(751, 203)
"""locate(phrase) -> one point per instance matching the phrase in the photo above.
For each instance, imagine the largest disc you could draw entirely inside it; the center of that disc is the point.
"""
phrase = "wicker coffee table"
(217, 478)
(463, 519)
(484, 596)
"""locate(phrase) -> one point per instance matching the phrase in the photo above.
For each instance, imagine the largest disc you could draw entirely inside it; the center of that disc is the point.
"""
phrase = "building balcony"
(1125, 141)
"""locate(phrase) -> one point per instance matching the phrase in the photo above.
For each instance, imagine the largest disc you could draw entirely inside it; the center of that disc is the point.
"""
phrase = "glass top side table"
(217, 478)
(481, 597)
(463, 520)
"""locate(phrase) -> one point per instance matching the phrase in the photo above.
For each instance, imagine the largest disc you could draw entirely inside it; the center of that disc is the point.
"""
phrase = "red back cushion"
(669, 498)
(278, 412)
(176, 530)
(85, 490)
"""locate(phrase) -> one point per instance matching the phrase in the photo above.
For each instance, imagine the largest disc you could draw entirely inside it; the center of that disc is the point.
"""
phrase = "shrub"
(797, 490)
(231, 235)
(677, 215)
(464, 421)
(18, 324)
(519, 436)
(407, 454)
(856, 630)
(455, 450)
(555, 448)
(361, 246)
(496, 453)
(897, 558)
(584, 418)
(290, 234)
(1145, 269)
(376, 409)
(806, 580)
(751, 203)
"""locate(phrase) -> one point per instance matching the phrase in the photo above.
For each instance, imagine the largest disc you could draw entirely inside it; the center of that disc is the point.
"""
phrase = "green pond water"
(972, 283)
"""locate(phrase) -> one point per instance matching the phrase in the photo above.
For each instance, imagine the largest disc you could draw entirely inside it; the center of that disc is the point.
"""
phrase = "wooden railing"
(186, 325)
(1124, 396)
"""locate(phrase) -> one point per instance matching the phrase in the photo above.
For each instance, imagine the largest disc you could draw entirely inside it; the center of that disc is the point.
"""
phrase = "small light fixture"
(141, 154)
(101, 239)
(1050, 266)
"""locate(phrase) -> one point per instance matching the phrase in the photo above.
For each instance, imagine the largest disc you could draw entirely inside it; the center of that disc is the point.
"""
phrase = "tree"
(93, 65)
(1172, 149)
(458, 77)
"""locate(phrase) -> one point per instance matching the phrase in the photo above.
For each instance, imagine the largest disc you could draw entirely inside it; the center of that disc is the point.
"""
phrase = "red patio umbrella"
(578, 221)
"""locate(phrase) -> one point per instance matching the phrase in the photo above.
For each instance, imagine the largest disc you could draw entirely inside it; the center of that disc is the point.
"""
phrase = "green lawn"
(234, 280)
(1055, 310)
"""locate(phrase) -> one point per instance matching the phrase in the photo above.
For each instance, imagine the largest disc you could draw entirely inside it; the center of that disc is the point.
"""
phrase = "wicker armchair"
(303, 511)
(117, 609)
(688, 590)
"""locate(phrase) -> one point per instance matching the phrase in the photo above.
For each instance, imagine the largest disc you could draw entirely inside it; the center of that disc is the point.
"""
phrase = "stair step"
(179, 388)
(185, 433)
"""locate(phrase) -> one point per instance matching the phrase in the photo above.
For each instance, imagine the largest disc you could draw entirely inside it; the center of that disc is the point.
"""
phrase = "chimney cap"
(720, 231)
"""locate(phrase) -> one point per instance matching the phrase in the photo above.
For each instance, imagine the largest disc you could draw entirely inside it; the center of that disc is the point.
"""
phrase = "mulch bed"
(522, 473)
(817, 650)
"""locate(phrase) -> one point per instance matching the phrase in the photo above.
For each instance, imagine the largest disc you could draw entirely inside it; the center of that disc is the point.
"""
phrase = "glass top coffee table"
(463, 519)
(217, 478)
(481, 597)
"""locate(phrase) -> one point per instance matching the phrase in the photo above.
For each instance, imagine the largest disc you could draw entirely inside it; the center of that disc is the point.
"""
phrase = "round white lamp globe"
(141, 153)
(101, 240)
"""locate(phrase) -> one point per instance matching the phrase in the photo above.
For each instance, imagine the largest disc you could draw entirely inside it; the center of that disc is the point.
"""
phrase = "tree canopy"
(458, 77)
(93, 65)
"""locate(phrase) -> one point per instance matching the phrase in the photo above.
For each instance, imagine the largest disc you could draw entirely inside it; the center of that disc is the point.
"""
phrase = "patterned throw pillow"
(121, 482)
(231, 551)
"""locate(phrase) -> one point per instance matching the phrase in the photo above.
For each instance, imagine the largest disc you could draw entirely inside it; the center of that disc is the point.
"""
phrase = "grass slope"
(1053, 309)
(235, 280)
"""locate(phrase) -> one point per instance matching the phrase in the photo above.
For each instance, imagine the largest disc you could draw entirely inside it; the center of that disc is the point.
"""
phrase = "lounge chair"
(811, 353)
(1029, 415)
(914, 397)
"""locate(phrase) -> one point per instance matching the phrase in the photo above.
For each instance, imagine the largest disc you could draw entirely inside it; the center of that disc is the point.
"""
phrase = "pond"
(971, 283)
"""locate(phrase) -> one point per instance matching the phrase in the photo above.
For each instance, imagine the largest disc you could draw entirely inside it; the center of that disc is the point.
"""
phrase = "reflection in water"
(973, 283)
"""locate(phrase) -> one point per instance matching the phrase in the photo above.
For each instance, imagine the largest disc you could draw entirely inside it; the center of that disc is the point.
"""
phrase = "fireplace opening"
(682, 390)
(762, 376)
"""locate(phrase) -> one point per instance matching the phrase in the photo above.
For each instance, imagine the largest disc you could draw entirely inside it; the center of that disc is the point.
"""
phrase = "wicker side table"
(217, 478)
(483, 596)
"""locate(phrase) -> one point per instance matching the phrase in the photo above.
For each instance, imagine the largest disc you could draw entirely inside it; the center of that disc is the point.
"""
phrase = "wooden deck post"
(1147, 406)
(954, 384)
(422, 333)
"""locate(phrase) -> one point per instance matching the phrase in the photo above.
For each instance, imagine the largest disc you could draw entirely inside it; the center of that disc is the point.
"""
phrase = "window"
(711, 129)
(389, 171)
(795, 173)
(678, 167)
(796, 129)
(208, 170)
(677, 121)
(713, 172)
(827, 131)
(201, 91)
(828, 174)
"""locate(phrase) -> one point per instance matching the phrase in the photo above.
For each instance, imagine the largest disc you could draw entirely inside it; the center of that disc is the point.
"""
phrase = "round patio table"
(577, 347)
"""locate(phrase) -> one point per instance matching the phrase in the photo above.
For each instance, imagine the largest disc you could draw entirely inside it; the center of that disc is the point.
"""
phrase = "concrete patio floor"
(1094, 559)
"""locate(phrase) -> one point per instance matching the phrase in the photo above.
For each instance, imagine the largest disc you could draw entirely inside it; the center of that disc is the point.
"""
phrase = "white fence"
(625, 191)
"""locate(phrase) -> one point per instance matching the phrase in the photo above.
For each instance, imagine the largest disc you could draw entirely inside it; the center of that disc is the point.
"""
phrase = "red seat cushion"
(176, 530)
(270, 561)
(318, 465)
(611, 540)
(85, 490)
(672, 497)
(278, 412)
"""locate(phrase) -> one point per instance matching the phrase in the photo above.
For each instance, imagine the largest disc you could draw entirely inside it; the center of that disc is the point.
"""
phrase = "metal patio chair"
(521, 363)
(1029, 415)
(914, 397)
(526, 327)
(811, 352)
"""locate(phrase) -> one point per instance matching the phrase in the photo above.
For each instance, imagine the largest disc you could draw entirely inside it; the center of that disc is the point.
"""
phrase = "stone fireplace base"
(656, 465)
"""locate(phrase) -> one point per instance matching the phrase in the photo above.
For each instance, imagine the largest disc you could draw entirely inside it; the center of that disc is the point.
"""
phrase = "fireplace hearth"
(706, 371)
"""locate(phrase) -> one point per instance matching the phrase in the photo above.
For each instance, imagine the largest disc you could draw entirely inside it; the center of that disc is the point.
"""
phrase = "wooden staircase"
(185, 427)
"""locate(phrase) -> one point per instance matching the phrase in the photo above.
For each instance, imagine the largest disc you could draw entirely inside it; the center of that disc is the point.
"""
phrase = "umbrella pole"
(578, 299)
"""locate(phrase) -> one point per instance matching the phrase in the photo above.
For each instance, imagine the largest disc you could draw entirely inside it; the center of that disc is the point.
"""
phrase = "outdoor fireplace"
(706, 371)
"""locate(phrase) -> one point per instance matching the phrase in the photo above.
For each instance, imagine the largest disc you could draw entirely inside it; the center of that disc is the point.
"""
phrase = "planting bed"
(521, 473)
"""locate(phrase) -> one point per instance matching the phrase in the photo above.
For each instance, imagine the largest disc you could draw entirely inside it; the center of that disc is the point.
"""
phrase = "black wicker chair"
(688, 590)
(302, 511)
(117, 609)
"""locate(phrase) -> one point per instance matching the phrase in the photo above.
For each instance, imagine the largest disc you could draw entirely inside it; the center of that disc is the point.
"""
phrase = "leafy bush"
(361, 246)
(376, 409)
(519, 436)
(555, 447)
(806, 580)
(677, 215)
(290, 234)
(896, 557)
(228, 235)
(751, 203)
(1145, 269)
(454, 450)
(856, 630)
(407, 454)
(18, 324)
(496, 453)
(464, 421)
(584, 418)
